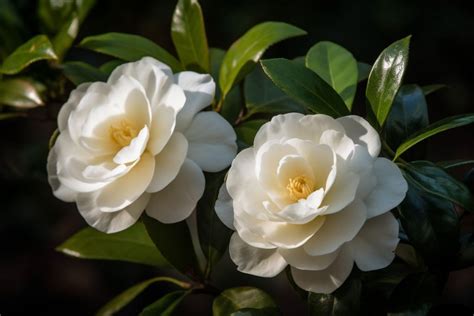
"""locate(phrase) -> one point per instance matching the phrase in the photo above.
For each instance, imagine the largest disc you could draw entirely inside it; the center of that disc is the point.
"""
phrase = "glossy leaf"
(165, 305)
(409, 114)
(454, 163)
(124, 298)
(189, 36)
(344, 301)
(433, 129)
(386, 77)
(132, 245)
(129, 47)
(238, 298)
(247, 50)
(305, 86)
(436, 181)
(20, 93)
(430, 223)
(214, 236)
(54, 14)
(63, 40)
(246, 131)
(336, 66)
(262, 96)
(79, 72)
(174, 243)
(36, 49)
(429, 89)
(363, 71)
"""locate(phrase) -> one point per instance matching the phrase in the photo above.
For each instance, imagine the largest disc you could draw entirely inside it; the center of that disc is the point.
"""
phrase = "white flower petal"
(134, 150)
(223, 207)
(74, 98)
(304, 210)
(338, 228)
(260, 262)
(130, 186)
(61, 191)
(168, 162)
(362, 133)
(212, 141)
(249, 228)
(295, 125)
(374, 246)
(328, 280)
(338, 141)
(199, 90)
(300, 259)
(177, 201)
(116, 221)
(390, 188)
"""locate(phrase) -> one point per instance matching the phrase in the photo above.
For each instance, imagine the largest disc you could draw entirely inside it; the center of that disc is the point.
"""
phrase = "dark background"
(34, 279)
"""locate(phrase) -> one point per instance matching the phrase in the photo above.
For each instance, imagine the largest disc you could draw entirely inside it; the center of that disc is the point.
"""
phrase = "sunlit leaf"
(20, 93)
(386, 77)
(238, 298)
(247, 50)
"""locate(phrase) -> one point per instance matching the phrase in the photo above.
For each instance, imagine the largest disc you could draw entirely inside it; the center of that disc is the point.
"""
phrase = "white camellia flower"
(139, 140)
(312, 193)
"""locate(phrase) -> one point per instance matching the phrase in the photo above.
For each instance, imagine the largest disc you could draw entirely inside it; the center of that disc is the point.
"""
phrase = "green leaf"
(386, 77)
(268, 311)
(129, 48)
(344, 301)
(66, 36)
(165, 305)
(336, 66)
(189, 36)
(454, 163)
(235, 299)
(246, 131)
(174, 243)
(110, 66)
(434, 180)
(37, 48)
(409, 255)
(12, 28)
(247, 50)
(409, 114)
(20, 93)
(433, 129)
(132, 245)
(432, 88)
(363, 71)
(214, 236)
(430, 223)
(262, 96)
(53, 15)
(79, 72)
(216, 56)
(12, 115)
(305, 86)
(124, 298)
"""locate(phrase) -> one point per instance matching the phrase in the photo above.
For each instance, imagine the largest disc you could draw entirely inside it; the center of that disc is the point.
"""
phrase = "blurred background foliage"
(36, 279)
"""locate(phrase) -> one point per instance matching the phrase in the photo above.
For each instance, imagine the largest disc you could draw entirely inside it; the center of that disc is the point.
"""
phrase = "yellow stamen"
(300, 187)
(123, 132)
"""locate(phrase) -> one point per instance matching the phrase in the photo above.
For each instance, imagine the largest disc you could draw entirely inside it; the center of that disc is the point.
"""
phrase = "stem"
(181, 284)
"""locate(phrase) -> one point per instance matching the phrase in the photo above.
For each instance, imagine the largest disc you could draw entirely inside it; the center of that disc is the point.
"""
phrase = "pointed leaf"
(305, 86)
(433, 129)
(165, 305)
(132, 245)
(247, 50)
(409, 114)
(235, 299)
(174, 243)
(129, 47)
(432, 88)
(189, 36)
(454, 163)
(262, 96)
(37, 48)
(20, 93)
(124, 298)
(386, 77)
(336, 66)
(79, 72)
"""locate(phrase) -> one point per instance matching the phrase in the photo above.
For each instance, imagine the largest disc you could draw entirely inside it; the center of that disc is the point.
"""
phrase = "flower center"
(123, 132)
(300, 187)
